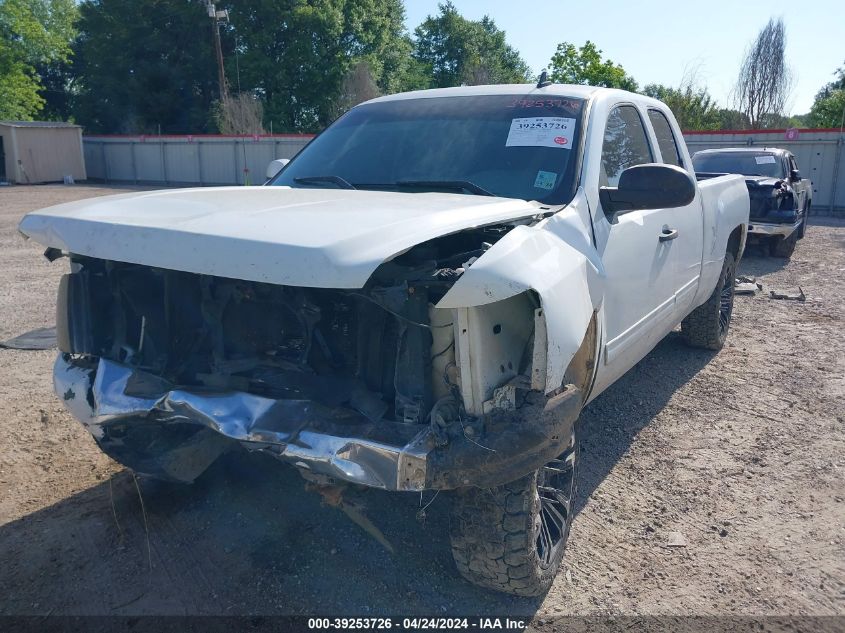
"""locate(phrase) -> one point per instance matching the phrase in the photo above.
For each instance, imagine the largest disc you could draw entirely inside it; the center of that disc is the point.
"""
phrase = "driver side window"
(625, 144)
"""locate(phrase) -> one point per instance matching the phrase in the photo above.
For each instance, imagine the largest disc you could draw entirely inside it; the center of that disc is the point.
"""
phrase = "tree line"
(151, 66)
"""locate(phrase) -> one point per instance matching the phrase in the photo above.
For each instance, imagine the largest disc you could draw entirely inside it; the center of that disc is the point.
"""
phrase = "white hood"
(321, 238)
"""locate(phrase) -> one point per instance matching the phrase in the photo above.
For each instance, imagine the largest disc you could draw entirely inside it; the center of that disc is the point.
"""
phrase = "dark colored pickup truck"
(780, 197)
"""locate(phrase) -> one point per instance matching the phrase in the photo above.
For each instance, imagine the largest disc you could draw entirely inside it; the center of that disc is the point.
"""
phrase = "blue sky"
(657, 40)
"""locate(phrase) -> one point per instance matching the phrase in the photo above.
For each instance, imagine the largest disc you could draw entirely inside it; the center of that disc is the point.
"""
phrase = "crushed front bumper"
(773, 228)
(158, 429)
(782, 222)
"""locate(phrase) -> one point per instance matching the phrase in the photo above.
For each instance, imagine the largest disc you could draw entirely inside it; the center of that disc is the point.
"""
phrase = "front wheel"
(707, 326)
(511, 538)
(802, 230)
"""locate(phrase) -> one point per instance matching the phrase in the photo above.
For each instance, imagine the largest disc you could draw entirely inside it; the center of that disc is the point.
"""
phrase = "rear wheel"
(784, 246)
(707, 326)
(511, 538)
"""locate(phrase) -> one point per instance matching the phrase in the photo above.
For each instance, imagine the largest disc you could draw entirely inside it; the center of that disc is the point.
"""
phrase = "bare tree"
(765, 81)
(240, 114)
(477, 72)
(358, 86)
(690, 102)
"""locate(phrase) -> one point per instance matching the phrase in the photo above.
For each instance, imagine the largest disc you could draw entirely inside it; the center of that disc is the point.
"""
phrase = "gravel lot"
(742, 452)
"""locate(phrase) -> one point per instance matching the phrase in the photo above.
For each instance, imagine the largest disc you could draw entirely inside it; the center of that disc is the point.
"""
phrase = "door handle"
(668, 234)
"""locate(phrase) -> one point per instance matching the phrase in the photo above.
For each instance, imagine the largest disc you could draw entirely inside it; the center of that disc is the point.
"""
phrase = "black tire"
(784, 246)
(707, 326)
(512, 538)
(802, 230)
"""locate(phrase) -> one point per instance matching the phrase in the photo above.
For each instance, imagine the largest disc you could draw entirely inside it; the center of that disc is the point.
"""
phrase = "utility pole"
(216, 18)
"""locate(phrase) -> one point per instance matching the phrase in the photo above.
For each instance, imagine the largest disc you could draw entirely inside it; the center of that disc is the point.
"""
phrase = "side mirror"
(275, 166)
(650, 186)
(795, 175)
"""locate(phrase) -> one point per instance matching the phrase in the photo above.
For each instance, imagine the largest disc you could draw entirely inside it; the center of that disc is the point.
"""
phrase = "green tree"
(452, 50)
(828, 111)
(297, 55)
(779, 122)
(733, 120)
(33, 34)
(145, 65)
(829, 103)
(58, 90)
(374, 33)
(570, 65)
(692, 106)
(800, 120)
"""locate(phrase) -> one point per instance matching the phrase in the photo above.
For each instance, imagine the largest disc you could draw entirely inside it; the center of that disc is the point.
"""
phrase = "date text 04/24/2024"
(417, 624)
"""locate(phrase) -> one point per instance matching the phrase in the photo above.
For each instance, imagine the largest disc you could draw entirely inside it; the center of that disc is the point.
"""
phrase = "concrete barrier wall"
(227, 160)
(187, 160)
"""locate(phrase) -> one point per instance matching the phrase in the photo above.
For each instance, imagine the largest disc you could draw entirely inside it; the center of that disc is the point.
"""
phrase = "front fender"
(554, 259)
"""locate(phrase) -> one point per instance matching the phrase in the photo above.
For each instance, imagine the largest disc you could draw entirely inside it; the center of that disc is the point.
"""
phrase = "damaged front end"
(771, 200)
(773, 210)
(374, 386)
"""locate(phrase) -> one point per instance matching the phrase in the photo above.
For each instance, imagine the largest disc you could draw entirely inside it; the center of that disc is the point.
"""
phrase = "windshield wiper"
(466, 185)
(335, 180)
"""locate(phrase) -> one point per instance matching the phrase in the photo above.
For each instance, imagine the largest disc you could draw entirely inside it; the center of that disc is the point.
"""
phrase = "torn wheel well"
(735, 242)
(581, 369)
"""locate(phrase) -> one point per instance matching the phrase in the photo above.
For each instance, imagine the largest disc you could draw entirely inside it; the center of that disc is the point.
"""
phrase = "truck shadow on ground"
(247, 539)
(611, 422)
(756, 261)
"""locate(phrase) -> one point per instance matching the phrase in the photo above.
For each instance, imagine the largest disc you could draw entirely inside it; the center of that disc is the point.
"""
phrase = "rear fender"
(725, 205)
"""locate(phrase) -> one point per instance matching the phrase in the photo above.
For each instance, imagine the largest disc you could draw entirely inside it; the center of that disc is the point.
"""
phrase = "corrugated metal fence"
(820, 155)
(187, 160)
(220, 160)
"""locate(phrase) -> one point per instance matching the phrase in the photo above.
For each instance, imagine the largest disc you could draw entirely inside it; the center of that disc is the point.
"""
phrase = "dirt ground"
(741, 452)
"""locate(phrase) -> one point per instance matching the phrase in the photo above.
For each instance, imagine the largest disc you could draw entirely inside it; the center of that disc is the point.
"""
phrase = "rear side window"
(739, 162)
(665, 138)
(625, 144)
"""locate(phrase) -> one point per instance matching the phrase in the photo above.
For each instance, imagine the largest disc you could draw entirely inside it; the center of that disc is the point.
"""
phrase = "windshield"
(746, 163)
(512, 146)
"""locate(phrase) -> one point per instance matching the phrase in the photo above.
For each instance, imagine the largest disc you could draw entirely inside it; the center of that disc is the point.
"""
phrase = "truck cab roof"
(749, 150)
(577, 91)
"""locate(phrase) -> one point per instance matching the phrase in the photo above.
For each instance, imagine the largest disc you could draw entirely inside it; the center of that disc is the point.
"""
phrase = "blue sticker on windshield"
(545, 180)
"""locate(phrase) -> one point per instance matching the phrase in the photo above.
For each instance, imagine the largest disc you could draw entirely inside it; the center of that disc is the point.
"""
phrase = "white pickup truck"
(423, 299)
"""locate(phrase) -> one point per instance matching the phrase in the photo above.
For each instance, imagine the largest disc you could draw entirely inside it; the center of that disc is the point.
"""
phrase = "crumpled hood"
(321, 238)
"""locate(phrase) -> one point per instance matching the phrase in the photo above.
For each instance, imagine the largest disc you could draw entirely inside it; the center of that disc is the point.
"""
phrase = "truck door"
(688, 221)
(800, 186)
(640, 251)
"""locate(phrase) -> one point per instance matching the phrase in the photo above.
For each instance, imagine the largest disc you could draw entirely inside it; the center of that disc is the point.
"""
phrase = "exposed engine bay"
(364, 385)
(770, 198)
(370, 350)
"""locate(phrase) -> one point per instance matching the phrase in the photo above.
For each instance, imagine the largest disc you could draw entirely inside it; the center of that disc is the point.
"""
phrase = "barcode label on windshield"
(541, 131)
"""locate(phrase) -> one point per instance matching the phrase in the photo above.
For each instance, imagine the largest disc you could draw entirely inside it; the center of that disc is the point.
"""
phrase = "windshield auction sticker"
(766, 159)
(541, 131)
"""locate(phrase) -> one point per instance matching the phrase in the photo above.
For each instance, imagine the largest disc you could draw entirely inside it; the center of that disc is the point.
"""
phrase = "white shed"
(40, 151)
